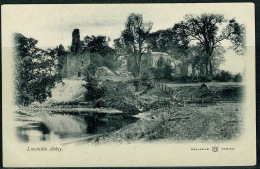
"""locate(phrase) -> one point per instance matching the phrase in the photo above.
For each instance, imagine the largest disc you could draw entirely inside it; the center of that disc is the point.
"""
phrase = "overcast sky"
(52, 25)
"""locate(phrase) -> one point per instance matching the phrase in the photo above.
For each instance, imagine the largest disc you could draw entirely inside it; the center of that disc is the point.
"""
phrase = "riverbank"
(125, 115)
(72, 110)
(220, 122)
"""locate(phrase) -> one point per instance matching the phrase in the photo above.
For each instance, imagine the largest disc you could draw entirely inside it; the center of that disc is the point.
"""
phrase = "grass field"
(219, 122)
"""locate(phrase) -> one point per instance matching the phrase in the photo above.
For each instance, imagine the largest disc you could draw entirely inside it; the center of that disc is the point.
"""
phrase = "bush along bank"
(110, 94)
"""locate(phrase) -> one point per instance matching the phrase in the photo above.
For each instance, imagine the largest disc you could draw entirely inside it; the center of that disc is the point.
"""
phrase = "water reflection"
(33, 131)
(49, 126)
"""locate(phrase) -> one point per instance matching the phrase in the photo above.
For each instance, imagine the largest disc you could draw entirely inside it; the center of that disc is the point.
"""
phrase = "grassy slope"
(219, 122)
(216, 123)
(70, 90)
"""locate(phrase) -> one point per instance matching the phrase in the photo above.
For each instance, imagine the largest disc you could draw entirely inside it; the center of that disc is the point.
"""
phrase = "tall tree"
(60, 53)
(97, 44)
(101, 53)
(119, 46)
(152, 40)
(35, 71)
(135, 38)
(209, 31)
(165, 40)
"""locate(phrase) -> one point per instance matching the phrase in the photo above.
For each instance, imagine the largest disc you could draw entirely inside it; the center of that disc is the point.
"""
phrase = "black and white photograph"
(94, 85)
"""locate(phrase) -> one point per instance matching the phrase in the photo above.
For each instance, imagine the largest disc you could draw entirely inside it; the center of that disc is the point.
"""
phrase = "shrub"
(111, 62)
(223, 76)
(136, 83)
(238, 78)
(185, 79)
(204, 79)
(168, 71)
(147, 79)
(165, 72)
(119, 95)
(158, 73)
(96, 59)
(92, 69)
(95, 90)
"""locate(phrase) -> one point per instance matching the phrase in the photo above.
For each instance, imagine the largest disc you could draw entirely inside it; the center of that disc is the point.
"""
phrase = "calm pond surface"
(51, 126)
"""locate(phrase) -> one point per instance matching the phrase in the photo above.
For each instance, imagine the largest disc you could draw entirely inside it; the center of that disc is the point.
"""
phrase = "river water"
(56, 126)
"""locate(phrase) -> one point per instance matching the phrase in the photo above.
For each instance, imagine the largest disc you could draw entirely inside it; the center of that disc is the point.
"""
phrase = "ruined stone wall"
(150, 60)
(64, 68)
(76, 65)
(75, 44)
(147, 62)
(157, 56)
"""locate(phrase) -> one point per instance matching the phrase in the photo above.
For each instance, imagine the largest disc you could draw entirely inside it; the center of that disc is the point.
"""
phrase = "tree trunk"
(136, 67)
(138, 62)
(193, 70)
(184, 70)
(202, 70)
(207, 68)
(137, 88)
(138, 70)
(210, 69)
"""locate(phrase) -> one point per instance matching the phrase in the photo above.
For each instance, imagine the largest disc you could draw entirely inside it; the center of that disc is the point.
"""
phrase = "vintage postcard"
(87, 85)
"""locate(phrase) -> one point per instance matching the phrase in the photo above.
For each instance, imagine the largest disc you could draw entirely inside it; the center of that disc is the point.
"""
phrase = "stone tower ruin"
(75, 45)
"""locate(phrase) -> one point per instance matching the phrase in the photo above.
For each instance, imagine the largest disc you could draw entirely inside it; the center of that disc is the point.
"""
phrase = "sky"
(52, 25)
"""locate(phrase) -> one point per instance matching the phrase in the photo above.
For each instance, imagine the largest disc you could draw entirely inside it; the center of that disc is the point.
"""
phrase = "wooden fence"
(171, 95)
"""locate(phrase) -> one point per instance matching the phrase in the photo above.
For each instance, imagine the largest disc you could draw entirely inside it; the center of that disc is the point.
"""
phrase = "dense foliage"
(96, 44)
(110, 61)
(223, 76)
(238, 78)
(205, 31)
(166, 72)
(101, 53)
(36, 71)
(196, 41)
(95, 89)
(134, 39)
(119, 95)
